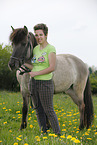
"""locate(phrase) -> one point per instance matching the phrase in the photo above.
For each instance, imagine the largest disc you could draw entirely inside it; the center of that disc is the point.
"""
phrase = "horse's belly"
(62, 84)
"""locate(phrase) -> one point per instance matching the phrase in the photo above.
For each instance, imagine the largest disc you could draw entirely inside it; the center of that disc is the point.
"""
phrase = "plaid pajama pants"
(42, 98)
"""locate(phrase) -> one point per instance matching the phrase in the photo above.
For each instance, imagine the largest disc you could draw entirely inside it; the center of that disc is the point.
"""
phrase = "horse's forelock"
(18, 35)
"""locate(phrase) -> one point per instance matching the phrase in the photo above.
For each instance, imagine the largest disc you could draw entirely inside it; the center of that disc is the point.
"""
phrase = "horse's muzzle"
(14, 64)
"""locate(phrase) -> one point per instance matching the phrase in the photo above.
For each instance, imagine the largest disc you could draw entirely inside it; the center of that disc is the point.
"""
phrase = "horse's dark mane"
(18, 35)
(34, 42)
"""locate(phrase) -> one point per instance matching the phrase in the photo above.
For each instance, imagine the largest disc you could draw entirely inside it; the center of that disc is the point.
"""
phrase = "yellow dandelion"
(17, 111)
(19, 114)
(20, 135)
(51, 134)
(15, 143)
(32, 111)
(18, 138)
(48, 130)
(29, 118)
(63, 125)
(38, 139)
(63, 129)
(25, 144)
(62, 136)
(31, 126)
(35, 120)
(4, 122)
(69, 115)
(55, 135)
(58, 118)
(73, 138)
(4, 108)
(10, 110)
(44, 137)
(69, 136)
(10, 130)
(76, 141)
(0, 141)
(77, 131)
(36, 136)
(86, 133)
(89, 138)
(95, 133)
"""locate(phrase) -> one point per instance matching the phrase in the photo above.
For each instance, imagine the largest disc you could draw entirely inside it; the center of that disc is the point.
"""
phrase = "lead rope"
(26, 70)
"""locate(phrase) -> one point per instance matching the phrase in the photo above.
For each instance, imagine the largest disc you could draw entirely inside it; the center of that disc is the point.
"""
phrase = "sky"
(72, 24)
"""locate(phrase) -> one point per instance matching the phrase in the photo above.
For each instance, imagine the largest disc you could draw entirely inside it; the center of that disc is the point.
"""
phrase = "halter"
(22, 60)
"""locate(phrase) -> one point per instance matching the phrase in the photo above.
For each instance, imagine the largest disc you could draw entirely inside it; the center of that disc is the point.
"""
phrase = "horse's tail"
(89, 112)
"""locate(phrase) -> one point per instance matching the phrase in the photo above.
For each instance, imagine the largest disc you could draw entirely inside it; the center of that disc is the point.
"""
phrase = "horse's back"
(69, 69)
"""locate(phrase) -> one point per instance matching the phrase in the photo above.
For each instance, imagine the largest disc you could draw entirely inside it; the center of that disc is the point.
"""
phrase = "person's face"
(40, 36)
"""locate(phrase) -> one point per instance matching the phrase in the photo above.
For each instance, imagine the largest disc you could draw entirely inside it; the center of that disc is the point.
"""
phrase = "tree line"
(8, 80)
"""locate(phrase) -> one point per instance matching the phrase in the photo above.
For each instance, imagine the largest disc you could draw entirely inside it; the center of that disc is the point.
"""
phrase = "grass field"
(68, 116)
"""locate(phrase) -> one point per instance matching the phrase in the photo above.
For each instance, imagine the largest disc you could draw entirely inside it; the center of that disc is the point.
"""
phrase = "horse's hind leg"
(78, 100)
(24, 110)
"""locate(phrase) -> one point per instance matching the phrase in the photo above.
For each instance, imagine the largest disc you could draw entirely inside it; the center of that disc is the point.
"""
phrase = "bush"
(8, 79)
(93, 80)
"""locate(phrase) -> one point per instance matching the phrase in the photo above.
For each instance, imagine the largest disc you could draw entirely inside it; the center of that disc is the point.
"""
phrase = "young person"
(41, 84)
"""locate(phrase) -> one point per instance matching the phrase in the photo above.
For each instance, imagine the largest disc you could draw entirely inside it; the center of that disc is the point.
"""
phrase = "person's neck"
(42, 46)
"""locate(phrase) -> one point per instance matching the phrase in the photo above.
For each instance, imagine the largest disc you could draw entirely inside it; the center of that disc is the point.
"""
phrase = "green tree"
(93, 80)
(7, 78)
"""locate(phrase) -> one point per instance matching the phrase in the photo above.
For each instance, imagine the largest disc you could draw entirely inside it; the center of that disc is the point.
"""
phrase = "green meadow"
(68, 116)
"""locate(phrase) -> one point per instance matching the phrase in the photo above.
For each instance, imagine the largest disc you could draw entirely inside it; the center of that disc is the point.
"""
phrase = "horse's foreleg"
(79, 102)
(24, 111)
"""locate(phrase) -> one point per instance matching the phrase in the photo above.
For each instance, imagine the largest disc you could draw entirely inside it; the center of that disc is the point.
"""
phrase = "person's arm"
(51, 68)
(30, 66)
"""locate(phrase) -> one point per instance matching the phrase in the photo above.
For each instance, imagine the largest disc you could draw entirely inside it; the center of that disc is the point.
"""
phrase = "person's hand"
(32, 74)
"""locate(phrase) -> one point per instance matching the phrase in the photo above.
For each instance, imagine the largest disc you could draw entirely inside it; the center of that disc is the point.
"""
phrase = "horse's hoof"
(81, 127)
(23, 126)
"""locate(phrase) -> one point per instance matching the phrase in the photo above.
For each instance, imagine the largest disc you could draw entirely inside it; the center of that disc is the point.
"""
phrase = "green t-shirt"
(40, 61)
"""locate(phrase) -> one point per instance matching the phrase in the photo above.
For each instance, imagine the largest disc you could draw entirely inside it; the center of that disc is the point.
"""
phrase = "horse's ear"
(26, 29)
(12, 28)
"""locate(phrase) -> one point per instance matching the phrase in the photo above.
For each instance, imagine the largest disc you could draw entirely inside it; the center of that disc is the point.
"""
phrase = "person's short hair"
(41, 27)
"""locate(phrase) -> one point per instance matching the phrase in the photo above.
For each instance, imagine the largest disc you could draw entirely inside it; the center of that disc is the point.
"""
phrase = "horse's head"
(23, 43)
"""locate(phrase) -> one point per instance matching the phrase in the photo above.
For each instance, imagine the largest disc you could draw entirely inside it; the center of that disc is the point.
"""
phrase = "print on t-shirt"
(39, 59)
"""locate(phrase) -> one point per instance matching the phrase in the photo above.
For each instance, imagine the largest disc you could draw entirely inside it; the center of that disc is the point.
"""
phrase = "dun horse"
(70, 76)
